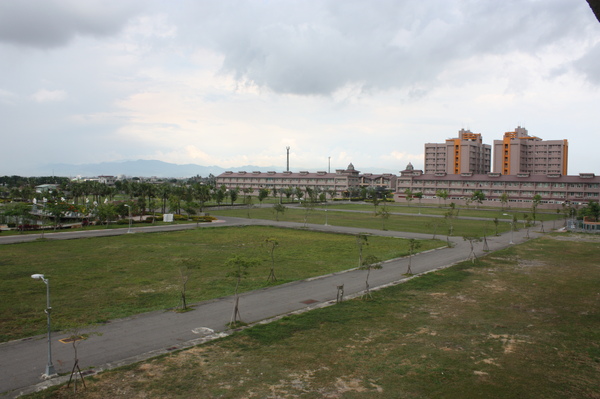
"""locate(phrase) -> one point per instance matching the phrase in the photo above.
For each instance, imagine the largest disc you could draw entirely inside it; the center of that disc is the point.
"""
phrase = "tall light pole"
(50, 372)
(129, 208)
(512, 227)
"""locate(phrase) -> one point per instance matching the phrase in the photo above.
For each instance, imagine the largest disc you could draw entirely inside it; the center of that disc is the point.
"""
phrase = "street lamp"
(50, 372)
(129, 229)
(512, 227)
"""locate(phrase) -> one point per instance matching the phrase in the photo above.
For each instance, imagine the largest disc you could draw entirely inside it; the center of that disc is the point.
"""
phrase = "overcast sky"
(232, 83)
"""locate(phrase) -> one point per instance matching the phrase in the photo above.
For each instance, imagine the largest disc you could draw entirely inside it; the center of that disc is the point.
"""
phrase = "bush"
(28, 227)
(203, 219)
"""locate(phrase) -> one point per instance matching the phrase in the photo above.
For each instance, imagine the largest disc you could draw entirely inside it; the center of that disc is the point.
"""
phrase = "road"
(146, 335)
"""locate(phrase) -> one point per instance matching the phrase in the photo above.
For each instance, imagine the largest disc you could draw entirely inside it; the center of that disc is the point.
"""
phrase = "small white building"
(46, 188)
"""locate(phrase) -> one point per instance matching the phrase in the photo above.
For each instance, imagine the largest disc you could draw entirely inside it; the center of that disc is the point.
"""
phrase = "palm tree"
(504, 200)
(201, 193)
(443, 194)
(419, 196)
(163, 192)
(409, 195)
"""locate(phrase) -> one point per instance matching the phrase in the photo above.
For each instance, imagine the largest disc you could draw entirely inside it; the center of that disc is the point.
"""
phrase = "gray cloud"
(317, 47)
(588, 65)
(54, 23)
(399, 72)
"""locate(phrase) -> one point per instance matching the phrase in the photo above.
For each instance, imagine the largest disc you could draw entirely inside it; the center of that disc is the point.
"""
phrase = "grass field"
(424, 220)
(520, 323)
(98, 279)
(414, 224)
(471, 211)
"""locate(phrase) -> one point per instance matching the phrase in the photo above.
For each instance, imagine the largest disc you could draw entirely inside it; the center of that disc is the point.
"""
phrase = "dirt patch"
(491, 361)
(530, 263)
(509, 343)
(426, 331)
(577, 237)
(151, 370)
(494, 287)
(463, 298)
(344, 385)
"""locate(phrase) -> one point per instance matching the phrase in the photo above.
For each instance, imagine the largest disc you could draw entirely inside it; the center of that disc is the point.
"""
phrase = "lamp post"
(512, 227)
(50, 372)
(129, 208)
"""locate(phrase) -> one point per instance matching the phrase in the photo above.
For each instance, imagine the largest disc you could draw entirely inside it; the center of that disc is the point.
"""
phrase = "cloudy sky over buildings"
(232, 83)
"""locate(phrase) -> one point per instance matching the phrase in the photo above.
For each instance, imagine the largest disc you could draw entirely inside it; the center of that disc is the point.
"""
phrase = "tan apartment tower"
(519, 153)
(465, 154)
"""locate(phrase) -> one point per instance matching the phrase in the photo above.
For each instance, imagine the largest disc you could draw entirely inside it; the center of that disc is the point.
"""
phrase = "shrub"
(203, 219)
(28, 227)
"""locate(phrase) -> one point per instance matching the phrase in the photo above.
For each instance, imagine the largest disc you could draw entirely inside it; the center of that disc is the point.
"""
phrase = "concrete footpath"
(139, 337)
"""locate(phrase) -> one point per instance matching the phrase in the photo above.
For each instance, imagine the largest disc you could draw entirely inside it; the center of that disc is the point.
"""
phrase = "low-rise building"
(46, 188)
(342, 182)
(554, 189)
(108, 180)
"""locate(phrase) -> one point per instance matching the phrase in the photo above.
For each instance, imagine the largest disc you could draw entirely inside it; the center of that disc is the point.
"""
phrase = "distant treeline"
(19, 181)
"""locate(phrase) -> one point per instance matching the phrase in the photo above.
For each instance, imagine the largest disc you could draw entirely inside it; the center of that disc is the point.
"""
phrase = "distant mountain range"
(149, 168)
(140, 168)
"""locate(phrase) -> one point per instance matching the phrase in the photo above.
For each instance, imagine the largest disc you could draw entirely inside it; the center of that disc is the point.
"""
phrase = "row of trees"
(478, 196)
(22, 181)
(105, 203)
(238, 269)
(316, 194)
(23, 188)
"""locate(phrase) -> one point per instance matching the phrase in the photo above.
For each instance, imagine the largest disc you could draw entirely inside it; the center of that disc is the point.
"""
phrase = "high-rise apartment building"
(519, 153)
(465, 154)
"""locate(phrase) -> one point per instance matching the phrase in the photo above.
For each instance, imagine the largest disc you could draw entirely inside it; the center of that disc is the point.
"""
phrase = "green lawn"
(471, 211)
(519, 323)
(415, 224)
(97, 279)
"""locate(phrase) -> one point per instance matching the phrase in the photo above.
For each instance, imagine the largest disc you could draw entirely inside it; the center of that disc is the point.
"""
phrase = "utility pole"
(50, 371)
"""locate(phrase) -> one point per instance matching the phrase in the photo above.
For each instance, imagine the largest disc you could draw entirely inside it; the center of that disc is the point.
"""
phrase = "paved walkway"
(146, 335)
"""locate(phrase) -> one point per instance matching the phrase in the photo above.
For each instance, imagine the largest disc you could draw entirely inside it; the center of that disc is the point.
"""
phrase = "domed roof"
(410, 166)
